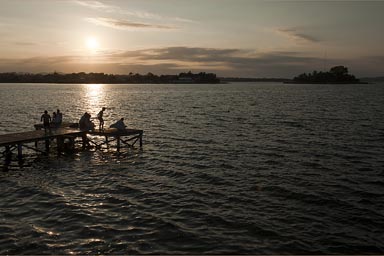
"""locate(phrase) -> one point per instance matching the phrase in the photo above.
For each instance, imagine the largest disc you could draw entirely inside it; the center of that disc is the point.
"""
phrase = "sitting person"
(85, 123)
(119, 125)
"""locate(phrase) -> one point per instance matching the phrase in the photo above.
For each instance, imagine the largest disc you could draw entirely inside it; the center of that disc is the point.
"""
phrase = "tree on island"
(336, 75)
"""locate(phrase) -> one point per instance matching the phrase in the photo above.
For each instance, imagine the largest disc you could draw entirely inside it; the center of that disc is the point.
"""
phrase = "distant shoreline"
(182, 78)
(221, 82)
(101, 78)
(294, 82)
(244, 79)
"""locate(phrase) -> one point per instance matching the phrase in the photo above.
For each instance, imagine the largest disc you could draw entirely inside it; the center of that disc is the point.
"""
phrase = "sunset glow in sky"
(248, 38)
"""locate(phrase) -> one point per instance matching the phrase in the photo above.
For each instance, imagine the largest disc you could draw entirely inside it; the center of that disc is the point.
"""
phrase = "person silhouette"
(85, 123)
(46, 119)
(59, 117)
(119, 125)
(101, 120)
(54, 119)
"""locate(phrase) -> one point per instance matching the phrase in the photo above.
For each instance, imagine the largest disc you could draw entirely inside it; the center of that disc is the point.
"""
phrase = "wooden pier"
(65, 137)
(126, 137)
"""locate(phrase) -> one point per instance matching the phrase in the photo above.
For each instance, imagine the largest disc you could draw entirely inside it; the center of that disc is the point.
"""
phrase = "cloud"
(126, 24)
(378, 59)
(231, 56)
(93, 4)
(42, 60)
(295, 35)
(25, 43)
(230, 61)
(172, 60)
(179, 53)
(97, 5)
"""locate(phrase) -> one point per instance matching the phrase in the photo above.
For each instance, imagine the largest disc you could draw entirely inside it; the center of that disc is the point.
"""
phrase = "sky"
(232, 38)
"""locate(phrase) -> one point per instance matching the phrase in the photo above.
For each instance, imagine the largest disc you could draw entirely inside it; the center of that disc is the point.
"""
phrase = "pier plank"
(32, 136)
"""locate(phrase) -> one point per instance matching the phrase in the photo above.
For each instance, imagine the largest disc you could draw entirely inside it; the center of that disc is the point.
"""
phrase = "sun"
(92, 43)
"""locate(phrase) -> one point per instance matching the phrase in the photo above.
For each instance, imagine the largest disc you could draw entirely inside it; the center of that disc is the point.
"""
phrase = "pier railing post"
(8, 155)
(118, 143)
(60, 144)
(20, 151)
(47, 146)
(84, 139)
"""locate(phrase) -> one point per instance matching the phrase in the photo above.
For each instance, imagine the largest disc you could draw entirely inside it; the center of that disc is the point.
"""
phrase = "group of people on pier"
(85, 122)
(54, 121)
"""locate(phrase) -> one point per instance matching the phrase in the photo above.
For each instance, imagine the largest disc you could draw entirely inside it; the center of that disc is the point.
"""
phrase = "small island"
(336, 75)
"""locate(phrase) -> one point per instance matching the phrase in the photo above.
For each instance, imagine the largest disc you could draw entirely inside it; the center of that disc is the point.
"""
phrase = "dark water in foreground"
(225, 169)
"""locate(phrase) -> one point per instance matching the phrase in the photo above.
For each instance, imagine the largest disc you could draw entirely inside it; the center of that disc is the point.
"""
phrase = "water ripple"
(225, 169)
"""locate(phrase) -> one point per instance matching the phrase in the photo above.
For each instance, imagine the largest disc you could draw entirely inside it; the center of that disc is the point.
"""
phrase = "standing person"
(59, 117)
(101, 120)
(54, 119)
(46, 119)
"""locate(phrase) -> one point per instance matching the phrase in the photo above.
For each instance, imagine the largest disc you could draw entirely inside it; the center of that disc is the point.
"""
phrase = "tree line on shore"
(92, 78)
(336, 75)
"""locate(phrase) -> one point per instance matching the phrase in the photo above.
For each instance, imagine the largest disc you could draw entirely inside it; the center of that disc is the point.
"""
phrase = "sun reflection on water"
(94, 90)
(94, 97)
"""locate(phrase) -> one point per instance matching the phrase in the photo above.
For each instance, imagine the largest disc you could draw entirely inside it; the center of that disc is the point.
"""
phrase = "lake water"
(247, 168)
